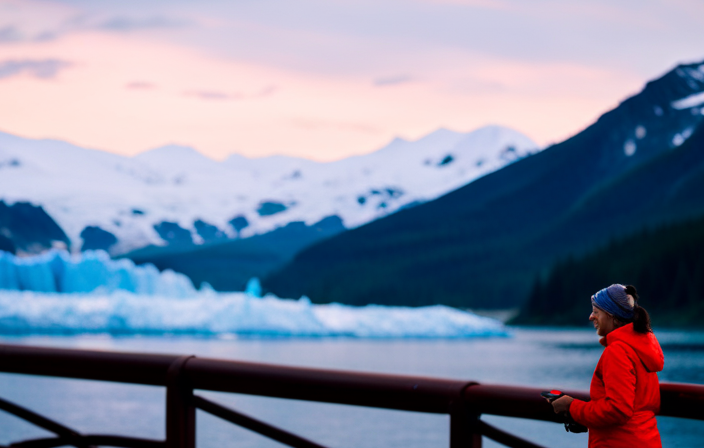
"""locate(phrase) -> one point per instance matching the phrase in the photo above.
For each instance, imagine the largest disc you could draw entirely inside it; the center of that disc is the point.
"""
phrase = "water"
(548, 358)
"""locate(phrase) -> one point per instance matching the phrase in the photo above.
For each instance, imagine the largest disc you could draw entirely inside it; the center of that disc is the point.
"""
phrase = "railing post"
(180, 411)
(464, 427)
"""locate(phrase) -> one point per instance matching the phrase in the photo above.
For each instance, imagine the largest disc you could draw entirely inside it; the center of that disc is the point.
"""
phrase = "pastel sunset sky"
(326, 79)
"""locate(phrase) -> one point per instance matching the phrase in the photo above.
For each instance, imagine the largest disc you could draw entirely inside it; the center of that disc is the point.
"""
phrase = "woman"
(625, 392)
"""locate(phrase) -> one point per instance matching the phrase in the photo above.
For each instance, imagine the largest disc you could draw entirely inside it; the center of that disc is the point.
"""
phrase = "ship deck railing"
(183, 376)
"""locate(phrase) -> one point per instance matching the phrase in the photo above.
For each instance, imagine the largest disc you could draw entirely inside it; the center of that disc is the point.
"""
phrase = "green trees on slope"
(665, 264)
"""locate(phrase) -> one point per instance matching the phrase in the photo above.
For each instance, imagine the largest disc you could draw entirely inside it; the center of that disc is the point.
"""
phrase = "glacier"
(59, 271)
(59, 293)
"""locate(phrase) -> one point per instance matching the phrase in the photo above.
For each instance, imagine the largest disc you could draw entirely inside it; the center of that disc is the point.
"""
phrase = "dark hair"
(641, 318)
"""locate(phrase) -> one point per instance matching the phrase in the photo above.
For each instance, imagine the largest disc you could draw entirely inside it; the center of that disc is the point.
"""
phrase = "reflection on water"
(547, 358)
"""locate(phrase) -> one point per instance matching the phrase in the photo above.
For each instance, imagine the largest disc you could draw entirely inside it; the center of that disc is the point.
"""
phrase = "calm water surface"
(548, 358)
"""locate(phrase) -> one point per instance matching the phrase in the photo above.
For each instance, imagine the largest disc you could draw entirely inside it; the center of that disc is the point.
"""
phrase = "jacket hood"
(645, 345)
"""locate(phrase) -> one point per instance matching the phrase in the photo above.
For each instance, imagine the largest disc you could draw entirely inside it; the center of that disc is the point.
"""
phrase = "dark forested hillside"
(666, 265)
(484, 244)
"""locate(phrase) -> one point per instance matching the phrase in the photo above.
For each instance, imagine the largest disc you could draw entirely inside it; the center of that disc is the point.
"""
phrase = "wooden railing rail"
(463, 401)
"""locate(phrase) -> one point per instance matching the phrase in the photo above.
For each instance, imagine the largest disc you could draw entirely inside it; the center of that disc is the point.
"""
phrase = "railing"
(464, 401)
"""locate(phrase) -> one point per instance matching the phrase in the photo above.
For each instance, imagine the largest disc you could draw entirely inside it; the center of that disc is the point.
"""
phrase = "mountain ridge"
(481, 245)
(135, 198)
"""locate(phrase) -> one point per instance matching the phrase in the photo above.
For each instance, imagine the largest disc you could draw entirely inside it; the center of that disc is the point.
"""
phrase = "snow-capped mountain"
(638, 167)
(175, 191)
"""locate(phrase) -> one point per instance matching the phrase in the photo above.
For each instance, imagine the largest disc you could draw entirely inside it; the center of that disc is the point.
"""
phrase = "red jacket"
(625, 392)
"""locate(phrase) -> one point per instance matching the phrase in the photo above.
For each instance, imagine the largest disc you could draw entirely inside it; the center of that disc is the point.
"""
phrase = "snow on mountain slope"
(128, 196)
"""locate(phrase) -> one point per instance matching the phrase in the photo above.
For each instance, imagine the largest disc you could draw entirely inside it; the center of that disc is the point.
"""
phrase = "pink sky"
(324, 80)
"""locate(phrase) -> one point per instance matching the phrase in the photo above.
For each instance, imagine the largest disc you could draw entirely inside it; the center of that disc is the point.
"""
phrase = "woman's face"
(603, 321)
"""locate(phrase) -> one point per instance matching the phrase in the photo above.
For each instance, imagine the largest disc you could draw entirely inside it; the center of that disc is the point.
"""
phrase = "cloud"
(266, 91)
(39, 68)
(30, 23)
(317, 124)
(132, 24)
(489, 4)
(10, 34)
(219, 95)
(140, 85)
(392, 80)
(213, 95)
(45, 36)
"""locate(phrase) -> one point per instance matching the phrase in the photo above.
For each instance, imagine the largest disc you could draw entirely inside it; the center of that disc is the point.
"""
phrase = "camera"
(570, 424)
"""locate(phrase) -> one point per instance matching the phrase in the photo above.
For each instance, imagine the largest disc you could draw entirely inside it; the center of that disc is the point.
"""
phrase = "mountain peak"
(173, 159)
(170, 150)
(441, 134)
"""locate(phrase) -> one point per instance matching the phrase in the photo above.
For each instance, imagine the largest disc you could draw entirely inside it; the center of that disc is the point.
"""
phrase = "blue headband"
(603, 300)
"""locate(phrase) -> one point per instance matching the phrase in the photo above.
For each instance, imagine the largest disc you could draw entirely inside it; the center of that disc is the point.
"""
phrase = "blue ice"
(59, 271)
(59, 293)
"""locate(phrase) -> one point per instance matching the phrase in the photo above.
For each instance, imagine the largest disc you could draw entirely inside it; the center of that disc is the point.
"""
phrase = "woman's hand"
(562, 404)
